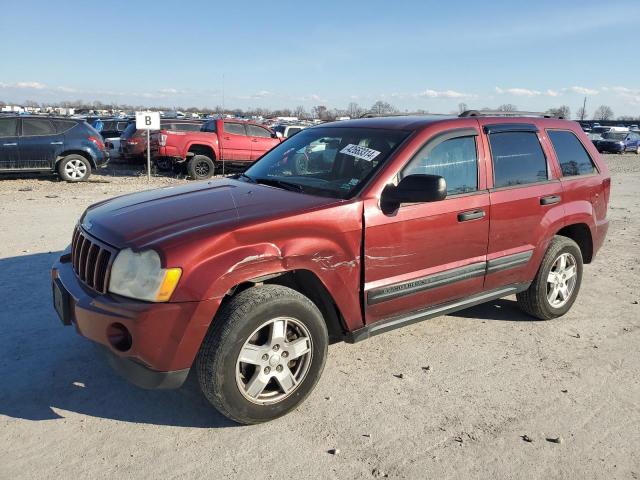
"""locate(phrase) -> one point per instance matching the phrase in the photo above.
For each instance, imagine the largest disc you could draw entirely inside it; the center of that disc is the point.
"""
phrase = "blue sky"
(413, 54)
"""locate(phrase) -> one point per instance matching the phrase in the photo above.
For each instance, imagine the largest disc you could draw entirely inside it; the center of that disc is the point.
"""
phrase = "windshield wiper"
(244, 175)
(280, 183)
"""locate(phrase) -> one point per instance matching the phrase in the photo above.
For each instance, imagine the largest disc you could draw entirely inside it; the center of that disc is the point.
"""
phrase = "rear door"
(39, 143)
(261, 140)
(9, 152)
(526, 197)
(236, 145)
(429, 253)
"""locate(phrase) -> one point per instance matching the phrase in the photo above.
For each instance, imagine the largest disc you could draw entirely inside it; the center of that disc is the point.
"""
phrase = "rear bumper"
(165, 337)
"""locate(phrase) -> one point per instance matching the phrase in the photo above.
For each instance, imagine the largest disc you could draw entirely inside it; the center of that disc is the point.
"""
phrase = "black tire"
(74, 168)
(234, 325)
(534, 300)
(200, 167)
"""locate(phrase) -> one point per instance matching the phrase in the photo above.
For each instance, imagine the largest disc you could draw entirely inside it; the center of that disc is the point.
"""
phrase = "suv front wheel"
(263, 355)
(556, 285)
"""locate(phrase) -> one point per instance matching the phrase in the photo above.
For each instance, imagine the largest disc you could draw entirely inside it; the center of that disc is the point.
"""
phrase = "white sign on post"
(148, 121)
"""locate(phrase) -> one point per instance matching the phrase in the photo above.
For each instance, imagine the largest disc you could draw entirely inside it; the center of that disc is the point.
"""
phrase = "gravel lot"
(472, 383)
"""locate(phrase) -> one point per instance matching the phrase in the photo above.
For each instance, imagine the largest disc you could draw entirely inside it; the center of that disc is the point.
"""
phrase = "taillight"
(97, 142)
(163, 140)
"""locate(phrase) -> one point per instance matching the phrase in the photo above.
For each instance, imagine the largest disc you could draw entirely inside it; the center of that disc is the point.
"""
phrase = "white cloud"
(519, 92)
(631, 95)
(444, 94)
(30, 85)
(582, 90)
(170, 91)
(553, 93)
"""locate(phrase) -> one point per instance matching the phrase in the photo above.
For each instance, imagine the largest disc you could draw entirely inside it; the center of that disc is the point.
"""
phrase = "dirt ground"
(493, 376)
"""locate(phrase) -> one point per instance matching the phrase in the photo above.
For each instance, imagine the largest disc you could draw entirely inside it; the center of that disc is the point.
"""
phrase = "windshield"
(332, 162)
(614, 135)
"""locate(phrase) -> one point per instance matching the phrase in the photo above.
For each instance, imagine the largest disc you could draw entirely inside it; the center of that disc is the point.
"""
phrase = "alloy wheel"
(561, 280)
(274, 361)
(75, 169)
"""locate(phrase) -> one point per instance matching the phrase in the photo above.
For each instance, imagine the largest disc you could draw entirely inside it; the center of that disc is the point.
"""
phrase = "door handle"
(254, 140)
(56, 143)
(10, 144)
(472, 215)
(550, 200)
(227, 138)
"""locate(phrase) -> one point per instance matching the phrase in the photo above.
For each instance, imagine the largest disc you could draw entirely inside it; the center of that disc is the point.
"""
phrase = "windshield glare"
(327, 161)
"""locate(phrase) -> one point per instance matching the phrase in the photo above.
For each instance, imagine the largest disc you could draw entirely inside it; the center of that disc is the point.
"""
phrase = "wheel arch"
(82, 153)
(581, 234)
(201, 149)
(308, 284)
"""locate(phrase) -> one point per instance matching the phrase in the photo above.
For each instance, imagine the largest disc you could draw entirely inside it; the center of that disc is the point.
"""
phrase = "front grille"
(91, 260)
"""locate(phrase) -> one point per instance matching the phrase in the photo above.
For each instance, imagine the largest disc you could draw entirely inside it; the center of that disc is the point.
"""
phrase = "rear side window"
(37, 126)
(208, 127)
(234, 128)
(518, 159)
(63, 125)
(255, 131)
(574, 159)
(292, 131)
(8, 127)
(456, 160)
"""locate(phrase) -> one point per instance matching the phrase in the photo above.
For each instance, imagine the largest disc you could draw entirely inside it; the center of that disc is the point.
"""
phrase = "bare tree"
(300, 112)
(354, 110)
(31, 103)
(382, 108)
(603, 112)
(581, 114)
(507, 107)
(462, 107)
(562, 111)
(320, 111)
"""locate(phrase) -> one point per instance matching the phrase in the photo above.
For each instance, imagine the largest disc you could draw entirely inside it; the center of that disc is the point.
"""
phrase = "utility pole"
(584, 108)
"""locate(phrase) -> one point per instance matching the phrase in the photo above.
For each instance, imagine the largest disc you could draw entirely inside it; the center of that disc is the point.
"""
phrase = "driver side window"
(455, 159)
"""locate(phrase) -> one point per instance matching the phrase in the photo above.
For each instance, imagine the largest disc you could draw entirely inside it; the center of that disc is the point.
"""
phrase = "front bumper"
(165, 337)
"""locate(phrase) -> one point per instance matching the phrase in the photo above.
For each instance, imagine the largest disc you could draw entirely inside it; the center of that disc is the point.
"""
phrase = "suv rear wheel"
(74, 168)
(556, 285)
(263, 355)
(200, 167)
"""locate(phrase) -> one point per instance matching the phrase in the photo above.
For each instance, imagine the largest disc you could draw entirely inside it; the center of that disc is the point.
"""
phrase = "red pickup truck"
(230, 141)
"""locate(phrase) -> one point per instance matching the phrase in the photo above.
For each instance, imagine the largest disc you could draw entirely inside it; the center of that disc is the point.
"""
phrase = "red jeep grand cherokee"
(344, 231)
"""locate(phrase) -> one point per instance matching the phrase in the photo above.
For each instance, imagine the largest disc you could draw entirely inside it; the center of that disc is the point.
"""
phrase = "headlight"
(140, 275)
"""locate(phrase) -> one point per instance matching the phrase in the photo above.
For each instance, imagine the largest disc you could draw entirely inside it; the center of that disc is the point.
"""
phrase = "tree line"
(323, 112)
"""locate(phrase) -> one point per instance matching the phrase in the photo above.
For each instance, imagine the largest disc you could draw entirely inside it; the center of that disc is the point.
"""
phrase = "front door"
(261, 141)
(39, 143)
(236, 145)
(9, 152)
(430, 253)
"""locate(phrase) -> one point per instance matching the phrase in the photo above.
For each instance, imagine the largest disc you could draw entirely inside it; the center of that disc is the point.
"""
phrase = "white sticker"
(360, 152)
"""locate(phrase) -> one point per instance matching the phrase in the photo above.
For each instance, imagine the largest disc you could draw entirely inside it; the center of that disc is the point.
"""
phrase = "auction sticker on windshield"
(360, 152)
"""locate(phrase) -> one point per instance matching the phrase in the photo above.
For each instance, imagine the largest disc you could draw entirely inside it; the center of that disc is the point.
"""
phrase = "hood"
(140, 219)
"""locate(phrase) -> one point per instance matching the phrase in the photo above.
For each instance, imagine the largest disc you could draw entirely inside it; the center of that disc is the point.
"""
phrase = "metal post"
(148, 155)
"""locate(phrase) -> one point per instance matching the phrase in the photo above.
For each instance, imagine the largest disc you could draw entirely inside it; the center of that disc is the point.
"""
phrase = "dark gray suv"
(69, 147)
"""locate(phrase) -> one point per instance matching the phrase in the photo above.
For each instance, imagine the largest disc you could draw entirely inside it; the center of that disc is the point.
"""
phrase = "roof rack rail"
(405, 114)
(500, 113)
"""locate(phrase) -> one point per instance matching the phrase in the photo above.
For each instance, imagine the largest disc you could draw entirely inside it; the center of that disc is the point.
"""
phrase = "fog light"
(119, 337)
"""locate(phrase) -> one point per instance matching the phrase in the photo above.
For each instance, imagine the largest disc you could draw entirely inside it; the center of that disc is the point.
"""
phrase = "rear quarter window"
(572, 156)
(518, 159)
(63, 125)
(8, 127)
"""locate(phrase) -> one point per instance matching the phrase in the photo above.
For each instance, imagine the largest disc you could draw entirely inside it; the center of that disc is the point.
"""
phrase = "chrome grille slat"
(91, 260)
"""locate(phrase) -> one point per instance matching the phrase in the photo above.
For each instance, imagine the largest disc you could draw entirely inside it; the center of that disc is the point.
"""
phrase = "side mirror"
(416, 188)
